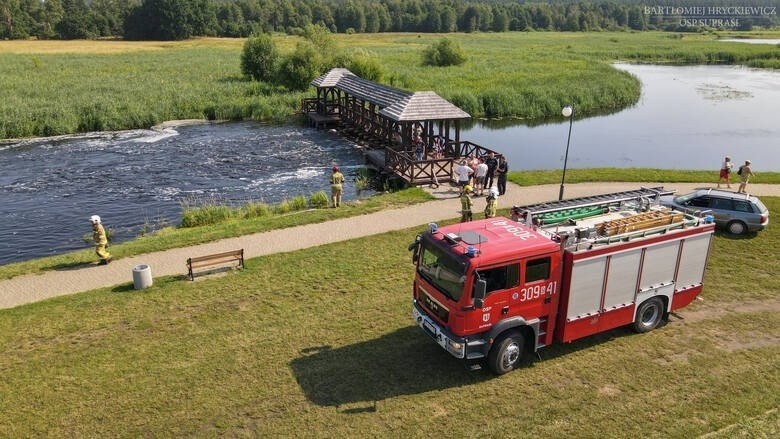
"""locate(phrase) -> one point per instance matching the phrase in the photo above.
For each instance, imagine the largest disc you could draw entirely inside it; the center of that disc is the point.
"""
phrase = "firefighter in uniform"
(101, 240)
(466, 204)
(336, 182)
(490, 208)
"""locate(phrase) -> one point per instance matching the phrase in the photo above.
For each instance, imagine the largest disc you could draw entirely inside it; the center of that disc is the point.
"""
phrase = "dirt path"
(31, 288)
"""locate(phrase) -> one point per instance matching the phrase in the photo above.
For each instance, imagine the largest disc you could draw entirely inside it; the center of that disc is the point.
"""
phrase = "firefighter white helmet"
(94, 219)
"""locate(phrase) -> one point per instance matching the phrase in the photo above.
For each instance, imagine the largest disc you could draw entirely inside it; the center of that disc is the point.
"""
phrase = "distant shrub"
(444, 52)
(366, 67)
(259, 58)
(299, 68)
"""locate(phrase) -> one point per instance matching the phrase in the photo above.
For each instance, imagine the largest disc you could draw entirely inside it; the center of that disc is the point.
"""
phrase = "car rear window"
(759, 205)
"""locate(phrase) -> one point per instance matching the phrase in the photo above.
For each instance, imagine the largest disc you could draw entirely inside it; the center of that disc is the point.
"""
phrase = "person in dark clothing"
(501, 171)
(492, 163)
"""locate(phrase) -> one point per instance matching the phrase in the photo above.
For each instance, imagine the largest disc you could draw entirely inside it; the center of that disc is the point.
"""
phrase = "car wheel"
(736, 227)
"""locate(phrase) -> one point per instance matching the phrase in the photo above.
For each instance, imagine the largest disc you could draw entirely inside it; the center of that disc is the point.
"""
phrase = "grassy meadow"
(54, 87)
(320, 343)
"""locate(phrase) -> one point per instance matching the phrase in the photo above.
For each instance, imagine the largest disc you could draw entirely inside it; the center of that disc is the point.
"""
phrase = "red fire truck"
(492, 290)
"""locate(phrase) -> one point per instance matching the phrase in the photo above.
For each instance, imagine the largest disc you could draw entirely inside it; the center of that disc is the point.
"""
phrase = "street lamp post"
(568, 111)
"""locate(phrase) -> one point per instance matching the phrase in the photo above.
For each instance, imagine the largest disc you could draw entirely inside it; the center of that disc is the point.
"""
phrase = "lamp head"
(567, 111)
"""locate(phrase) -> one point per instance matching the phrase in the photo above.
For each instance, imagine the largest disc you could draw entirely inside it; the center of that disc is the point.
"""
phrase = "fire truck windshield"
(442, 269)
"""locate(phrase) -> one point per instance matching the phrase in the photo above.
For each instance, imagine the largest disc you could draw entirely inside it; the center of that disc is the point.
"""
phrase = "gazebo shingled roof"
(331, 78)
(370, 91)
(423, 105)
(394, 103)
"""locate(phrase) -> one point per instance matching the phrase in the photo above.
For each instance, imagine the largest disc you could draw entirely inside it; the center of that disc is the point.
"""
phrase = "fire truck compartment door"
(587, 283)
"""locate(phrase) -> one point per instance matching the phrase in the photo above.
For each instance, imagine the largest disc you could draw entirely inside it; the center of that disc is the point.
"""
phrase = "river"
(687, 118)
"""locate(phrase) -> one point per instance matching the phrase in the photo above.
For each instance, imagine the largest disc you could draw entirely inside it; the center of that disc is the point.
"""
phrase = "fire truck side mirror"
(480, 287)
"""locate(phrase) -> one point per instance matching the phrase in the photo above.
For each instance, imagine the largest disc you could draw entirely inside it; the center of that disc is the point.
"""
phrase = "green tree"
(320, 37)
(77, 22)
(298, 69)
(365, 66)
(171, 20)
(350, 15)
(259, 58)
(444, 52)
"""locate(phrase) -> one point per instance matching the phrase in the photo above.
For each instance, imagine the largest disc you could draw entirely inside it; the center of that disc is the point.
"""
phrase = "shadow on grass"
(70, 266)
(726, 235)
(405, 362)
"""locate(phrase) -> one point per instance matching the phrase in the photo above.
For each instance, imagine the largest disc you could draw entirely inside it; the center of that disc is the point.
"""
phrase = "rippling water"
(50, 187)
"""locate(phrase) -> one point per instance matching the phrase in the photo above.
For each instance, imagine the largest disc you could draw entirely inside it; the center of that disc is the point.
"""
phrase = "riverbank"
(25, 289)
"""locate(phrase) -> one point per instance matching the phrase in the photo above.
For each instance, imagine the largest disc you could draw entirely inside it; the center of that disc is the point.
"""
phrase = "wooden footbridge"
(414, 135)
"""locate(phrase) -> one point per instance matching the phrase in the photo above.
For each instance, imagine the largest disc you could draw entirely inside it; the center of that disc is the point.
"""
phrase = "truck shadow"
(403, 362)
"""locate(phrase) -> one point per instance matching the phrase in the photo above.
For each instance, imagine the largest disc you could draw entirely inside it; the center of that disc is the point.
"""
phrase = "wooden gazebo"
(387, 117)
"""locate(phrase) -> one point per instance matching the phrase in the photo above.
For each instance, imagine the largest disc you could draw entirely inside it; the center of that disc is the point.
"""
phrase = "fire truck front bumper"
(458, 347)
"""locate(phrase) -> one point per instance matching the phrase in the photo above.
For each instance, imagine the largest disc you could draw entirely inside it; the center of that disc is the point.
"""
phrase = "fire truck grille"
(434, 307)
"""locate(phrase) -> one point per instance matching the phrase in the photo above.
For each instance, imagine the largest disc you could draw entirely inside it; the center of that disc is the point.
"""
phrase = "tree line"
(182, 19)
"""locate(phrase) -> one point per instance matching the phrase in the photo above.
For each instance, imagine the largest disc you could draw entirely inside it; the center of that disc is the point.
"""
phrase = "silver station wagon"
(736, 213)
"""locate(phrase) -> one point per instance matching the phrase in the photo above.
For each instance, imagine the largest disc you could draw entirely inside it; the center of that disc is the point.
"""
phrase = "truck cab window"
(501, 278)
(537, 269)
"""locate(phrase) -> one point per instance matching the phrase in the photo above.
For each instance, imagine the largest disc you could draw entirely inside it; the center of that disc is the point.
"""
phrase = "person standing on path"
(725, 170)
(479, 177)
(336, 182)
(101, 240)
(492, 163)
(466, 204)
(501, 171)
(463, 171)
(744, 176)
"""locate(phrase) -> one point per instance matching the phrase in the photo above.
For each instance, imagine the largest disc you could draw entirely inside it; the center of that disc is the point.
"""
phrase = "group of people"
(482, 172)
(744, 172)
(421, 151)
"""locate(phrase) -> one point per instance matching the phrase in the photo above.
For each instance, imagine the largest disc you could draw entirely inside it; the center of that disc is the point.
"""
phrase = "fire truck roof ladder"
(584, 206)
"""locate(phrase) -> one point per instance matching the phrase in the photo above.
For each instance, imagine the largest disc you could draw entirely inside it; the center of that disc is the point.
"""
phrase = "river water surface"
(138, 179)
(687, 118)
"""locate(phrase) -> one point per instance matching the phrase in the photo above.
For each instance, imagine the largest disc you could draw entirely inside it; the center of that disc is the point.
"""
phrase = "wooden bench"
(215, 260)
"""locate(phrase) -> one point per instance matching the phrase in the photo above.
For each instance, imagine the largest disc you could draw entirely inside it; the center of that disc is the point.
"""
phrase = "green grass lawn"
(54, 87)
(319, 342)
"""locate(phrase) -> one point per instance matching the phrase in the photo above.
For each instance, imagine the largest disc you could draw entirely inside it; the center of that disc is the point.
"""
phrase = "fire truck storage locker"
(604, 286)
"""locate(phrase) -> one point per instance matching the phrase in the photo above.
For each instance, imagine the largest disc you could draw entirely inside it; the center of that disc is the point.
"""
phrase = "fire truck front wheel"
(649, 315)
(506, 352)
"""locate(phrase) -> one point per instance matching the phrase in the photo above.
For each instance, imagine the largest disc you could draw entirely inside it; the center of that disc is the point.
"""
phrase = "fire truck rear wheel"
(506, 353)
(649, 315)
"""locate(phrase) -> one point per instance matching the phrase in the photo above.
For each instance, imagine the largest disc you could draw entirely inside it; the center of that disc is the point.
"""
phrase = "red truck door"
(525, 288)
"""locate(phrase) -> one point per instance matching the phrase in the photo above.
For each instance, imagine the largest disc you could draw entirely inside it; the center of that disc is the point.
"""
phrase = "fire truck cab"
(492, 290)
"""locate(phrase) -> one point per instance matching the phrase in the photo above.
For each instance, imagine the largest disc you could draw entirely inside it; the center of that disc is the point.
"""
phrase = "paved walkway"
(31, 288)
